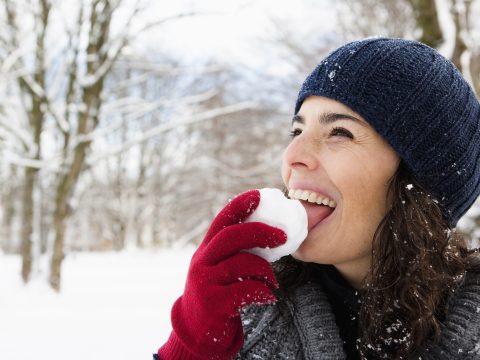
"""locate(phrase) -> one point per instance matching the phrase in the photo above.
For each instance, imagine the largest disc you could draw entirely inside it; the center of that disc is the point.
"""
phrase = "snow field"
(112, 306)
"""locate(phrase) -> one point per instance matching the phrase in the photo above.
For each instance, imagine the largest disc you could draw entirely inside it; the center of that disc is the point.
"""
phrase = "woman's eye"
(338, 131)
(295, 132)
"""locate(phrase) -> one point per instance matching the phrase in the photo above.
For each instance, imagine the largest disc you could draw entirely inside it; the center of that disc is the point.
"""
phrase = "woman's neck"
(355, 271)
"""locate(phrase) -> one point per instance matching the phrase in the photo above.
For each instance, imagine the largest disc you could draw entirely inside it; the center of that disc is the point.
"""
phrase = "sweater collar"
(315, 321)
(339, 291)
(460, 332)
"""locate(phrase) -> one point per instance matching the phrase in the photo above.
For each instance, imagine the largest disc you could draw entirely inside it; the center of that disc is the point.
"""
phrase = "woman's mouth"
(317, 206)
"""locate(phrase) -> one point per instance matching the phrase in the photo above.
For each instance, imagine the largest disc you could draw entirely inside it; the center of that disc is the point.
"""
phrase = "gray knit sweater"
(310, 332)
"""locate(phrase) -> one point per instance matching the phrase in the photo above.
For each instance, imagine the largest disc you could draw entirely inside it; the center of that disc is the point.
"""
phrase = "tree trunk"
(460, 45)
(36, 117)
(64, 189)
(461, 12)
(9, 213)
(45, 222)
(59, 217)
(69, 177)
(427, 20)
(36, 122)
(475, 66)
(27, 223)
(87, 121)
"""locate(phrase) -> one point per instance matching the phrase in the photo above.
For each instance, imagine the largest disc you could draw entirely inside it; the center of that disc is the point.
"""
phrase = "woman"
(389, 132)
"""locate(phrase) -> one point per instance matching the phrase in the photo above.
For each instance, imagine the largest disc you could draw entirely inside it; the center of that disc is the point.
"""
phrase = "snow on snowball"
(288, 215)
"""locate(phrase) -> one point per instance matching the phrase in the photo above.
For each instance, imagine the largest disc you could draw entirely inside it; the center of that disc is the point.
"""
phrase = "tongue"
(316, 213)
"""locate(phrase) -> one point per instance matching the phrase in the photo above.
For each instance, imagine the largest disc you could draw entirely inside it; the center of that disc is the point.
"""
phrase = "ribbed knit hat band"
(419, 102)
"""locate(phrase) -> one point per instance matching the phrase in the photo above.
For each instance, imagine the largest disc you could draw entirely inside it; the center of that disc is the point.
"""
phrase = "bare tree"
(32, 86)
(66, 97)
(376, 18)
(422, 20)
(426, 17)
(466, 53)
(9, 197)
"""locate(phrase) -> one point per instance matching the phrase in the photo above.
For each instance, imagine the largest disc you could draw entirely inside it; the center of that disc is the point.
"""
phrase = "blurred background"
(126, 125)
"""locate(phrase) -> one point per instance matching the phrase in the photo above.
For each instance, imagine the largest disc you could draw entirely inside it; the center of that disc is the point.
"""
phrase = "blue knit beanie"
(419, 103)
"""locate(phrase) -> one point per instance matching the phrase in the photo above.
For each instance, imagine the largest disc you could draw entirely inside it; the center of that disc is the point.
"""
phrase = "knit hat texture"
(418, 101)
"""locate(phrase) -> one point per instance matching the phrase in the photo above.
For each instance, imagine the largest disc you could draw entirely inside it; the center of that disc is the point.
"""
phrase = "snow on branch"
(112, 49)
(115, 46)
(448, 27)
(16, 160)
(91, 79)
(159, 69)
(465, 34)
(200, 117)
(24, 137)
(140, 110)
(244, 173)
(162, 69)
(59, 118)
(13, 58)
(167, 19)
(36, 90)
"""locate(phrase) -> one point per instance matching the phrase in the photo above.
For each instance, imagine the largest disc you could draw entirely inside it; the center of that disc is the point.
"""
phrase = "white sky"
(235, 29)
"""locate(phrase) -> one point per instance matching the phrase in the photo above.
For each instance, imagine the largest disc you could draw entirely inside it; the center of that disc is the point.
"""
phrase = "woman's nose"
(301, 153)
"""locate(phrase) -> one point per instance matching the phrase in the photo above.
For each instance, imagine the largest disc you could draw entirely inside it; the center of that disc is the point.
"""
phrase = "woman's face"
(337, 154)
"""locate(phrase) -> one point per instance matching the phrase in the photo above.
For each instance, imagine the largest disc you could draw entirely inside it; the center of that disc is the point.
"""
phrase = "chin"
(309, 250)
(301, 256)
(296, 256)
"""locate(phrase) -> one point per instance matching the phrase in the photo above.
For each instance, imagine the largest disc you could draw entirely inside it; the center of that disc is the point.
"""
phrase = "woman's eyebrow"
(298, 118)
(329, 117)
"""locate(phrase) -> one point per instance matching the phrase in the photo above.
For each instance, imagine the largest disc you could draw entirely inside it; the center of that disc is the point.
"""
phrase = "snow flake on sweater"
(304, 327)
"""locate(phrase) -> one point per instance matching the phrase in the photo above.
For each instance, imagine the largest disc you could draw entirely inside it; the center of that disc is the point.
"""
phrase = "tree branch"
(206, 115)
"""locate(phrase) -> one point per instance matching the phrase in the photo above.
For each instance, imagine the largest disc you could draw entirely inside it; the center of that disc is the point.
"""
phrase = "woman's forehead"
(327, 111)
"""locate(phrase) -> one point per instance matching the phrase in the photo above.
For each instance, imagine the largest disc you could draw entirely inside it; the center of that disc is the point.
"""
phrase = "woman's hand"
(221, 280)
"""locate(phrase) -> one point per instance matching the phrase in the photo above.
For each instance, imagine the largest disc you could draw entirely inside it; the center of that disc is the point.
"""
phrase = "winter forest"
(126, 125)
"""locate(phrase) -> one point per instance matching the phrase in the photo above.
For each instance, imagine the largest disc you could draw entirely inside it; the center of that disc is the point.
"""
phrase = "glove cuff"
(174, 349)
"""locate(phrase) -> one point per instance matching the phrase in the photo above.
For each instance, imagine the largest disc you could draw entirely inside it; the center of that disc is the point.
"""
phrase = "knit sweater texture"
(305, 328)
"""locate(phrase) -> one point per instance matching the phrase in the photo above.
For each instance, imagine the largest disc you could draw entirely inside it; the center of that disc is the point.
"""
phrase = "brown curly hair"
(417, 260)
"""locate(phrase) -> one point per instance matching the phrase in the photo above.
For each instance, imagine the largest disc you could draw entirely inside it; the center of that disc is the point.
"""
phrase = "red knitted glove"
(221, 280)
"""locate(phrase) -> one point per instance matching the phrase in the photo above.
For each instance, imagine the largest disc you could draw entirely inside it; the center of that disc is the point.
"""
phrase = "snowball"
(288, 215)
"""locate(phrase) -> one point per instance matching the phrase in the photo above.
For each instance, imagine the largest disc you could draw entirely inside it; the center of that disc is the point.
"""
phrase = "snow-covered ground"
(113, 306)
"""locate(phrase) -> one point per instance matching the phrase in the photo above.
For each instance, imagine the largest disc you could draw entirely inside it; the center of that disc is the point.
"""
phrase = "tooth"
(312, 197)
(298, 194)
(325, 201)
(290, 193)
(304, 195)
(332, 204)
(293, 195)
(319, 200)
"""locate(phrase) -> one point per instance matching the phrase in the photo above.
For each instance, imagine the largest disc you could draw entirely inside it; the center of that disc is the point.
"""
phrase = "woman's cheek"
(285, 172)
